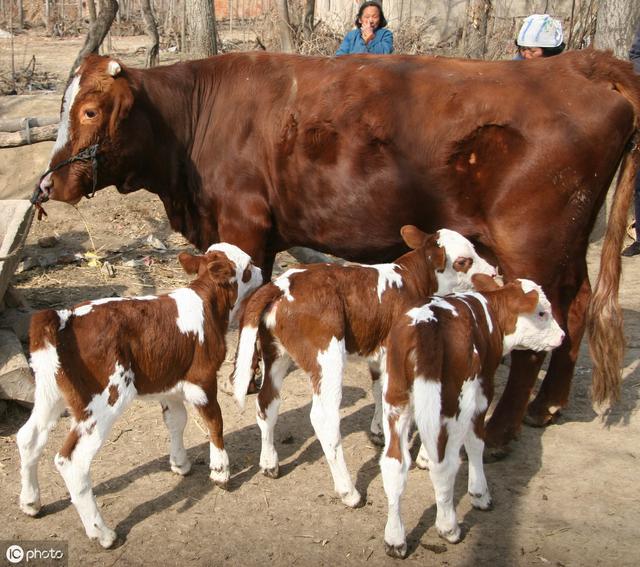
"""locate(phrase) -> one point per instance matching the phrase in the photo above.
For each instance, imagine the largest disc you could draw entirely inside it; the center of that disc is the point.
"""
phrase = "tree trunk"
(309, 17)
(20, 15)
(91, 6)
(284, 26)
(617, 22)
(201, 26)
(477, 20)
(151, 29)
(97, 32)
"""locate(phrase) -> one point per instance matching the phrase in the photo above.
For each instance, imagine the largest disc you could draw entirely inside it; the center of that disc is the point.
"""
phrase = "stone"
(16, 380)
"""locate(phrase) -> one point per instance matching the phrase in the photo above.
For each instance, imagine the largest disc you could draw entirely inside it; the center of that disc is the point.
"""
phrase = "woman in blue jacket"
(370, 35)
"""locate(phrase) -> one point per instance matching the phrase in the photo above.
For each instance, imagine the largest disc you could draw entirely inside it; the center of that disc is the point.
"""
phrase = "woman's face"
(530, 52)
(370, 17)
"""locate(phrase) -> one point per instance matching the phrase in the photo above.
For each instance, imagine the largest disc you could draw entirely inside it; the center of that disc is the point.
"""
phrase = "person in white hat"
(540, 36)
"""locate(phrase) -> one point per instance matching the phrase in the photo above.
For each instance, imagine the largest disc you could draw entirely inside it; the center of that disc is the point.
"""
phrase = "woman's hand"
(368, 32)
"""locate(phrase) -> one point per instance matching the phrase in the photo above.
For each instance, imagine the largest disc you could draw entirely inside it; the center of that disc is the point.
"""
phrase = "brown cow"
(98, 356)
(270, 150)
(440, 361)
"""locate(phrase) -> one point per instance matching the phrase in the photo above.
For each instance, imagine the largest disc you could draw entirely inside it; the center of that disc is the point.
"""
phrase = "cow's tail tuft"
(605, 320)
(249, 325)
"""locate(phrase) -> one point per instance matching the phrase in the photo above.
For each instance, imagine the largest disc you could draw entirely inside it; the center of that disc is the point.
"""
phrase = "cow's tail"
(249, 326)
(605, 321)
(44, 360)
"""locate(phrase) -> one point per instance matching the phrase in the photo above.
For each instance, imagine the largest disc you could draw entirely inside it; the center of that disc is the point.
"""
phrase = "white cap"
(540, 30)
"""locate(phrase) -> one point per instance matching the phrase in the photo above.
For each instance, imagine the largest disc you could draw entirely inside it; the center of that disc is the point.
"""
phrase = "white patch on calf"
(45, 365)
(113, 68)
(190, 312)
(443, 304)
(283, 282)
(457, 246)
(86, 309)
(387, 277)
(422, 314)
(63, 315)
(483, 302)
(63, 129)
(194, 394)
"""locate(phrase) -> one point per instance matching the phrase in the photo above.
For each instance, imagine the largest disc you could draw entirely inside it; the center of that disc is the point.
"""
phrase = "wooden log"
(14, 139)
(17, 124)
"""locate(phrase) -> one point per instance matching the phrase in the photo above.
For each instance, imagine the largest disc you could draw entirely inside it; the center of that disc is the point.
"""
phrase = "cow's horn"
(113, 68)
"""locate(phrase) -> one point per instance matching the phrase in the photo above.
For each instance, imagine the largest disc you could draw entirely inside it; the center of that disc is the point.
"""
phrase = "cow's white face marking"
(536, 331)
(283, 282)
(457, 246)
(190, 312)
(65, 118)
(242, 261)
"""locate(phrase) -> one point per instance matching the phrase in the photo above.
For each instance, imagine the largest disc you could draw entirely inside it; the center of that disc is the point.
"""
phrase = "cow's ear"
(122, 97)
(528, 302)
(484, 282)
(189, 262)
(412, 236)
(221, 271)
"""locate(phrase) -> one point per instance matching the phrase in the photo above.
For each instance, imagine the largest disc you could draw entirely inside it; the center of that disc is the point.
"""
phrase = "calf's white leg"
(477, 487)
(174, 415)
(325, 418)
(267, 406)
(32, 437)
(394, 464)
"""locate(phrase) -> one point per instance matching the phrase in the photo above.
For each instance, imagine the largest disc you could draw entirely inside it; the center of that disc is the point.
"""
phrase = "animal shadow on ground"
(241, 443)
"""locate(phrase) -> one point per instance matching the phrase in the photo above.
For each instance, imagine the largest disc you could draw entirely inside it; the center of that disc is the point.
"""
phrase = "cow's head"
(227, 266)
(524, 314)
(454, 257)
(89, 152)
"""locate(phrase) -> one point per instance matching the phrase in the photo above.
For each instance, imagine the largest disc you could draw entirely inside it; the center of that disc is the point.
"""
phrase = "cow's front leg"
(505, 423)
(556, 386)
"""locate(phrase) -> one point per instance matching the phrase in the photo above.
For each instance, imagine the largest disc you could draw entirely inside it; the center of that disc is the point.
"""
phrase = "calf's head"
(453, 256)
(227, 266)
(524, 314)
(89, 152)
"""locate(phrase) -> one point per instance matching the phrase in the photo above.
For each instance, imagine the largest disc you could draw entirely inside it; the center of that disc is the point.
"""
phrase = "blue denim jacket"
(634, 52)
(382, 43)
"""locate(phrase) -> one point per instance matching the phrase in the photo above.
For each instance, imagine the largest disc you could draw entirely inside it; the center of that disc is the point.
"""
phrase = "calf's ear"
(413, 236)
(483, 282)
(189, 262)
(520, 302)
(529, 301)
(221, 271)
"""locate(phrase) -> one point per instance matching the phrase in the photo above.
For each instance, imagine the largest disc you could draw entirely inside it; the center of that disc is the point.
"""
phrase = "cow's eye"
(541, 314)
(90, 113)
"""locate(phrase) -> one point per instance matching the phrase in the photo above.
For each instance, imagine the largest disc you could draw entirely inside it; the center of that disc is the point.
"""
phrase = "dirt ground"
(566, 496)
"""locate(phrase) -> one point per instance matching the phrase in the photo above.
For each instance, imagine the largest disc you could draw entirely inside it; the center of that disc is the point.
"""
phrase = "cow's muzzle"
(90, 153)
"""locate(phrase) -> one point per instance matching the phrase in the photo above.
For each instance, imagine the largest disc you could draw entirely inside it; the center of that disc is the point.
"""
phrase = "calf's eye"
(90, 113)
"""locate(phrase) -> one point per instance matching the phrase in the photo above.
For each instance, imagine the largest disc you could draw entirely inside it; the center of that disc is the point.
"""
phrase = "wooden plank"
(17, 124)
(14, 139)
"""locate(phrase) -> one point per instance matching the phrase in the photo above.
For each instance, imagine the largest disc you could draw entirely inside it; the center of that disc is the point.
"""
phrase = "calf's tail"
(249, 325)
(43, 343)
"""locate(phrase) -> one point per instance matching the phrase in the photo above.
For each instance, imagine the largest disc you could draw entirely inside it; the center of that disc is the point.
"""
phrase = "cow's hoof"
(376, 438)
(481, 501)
(183, 469)
(352, 499)
(454, 535)
(540, 419)
(396, 551)
(107, 538)
(272, 472)
(31, 508)
(220, 478)
(494, 454)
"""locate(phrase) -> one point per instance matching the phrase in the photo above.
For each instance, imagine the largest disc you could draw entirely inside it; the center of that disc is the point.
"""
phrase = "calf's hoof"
(31, 508)
(454, 535)
(396, 551)
(271, 472)
(376, 438)
(105, 536)
(352, 499)
(183, 469)
(220, 478)
(481, 501)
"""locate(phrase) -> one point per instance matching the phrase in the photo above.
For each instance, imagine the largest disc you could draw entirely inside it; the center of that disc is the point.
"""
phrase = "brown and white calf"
(317, 315)
(440, 362)
(96, 357)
